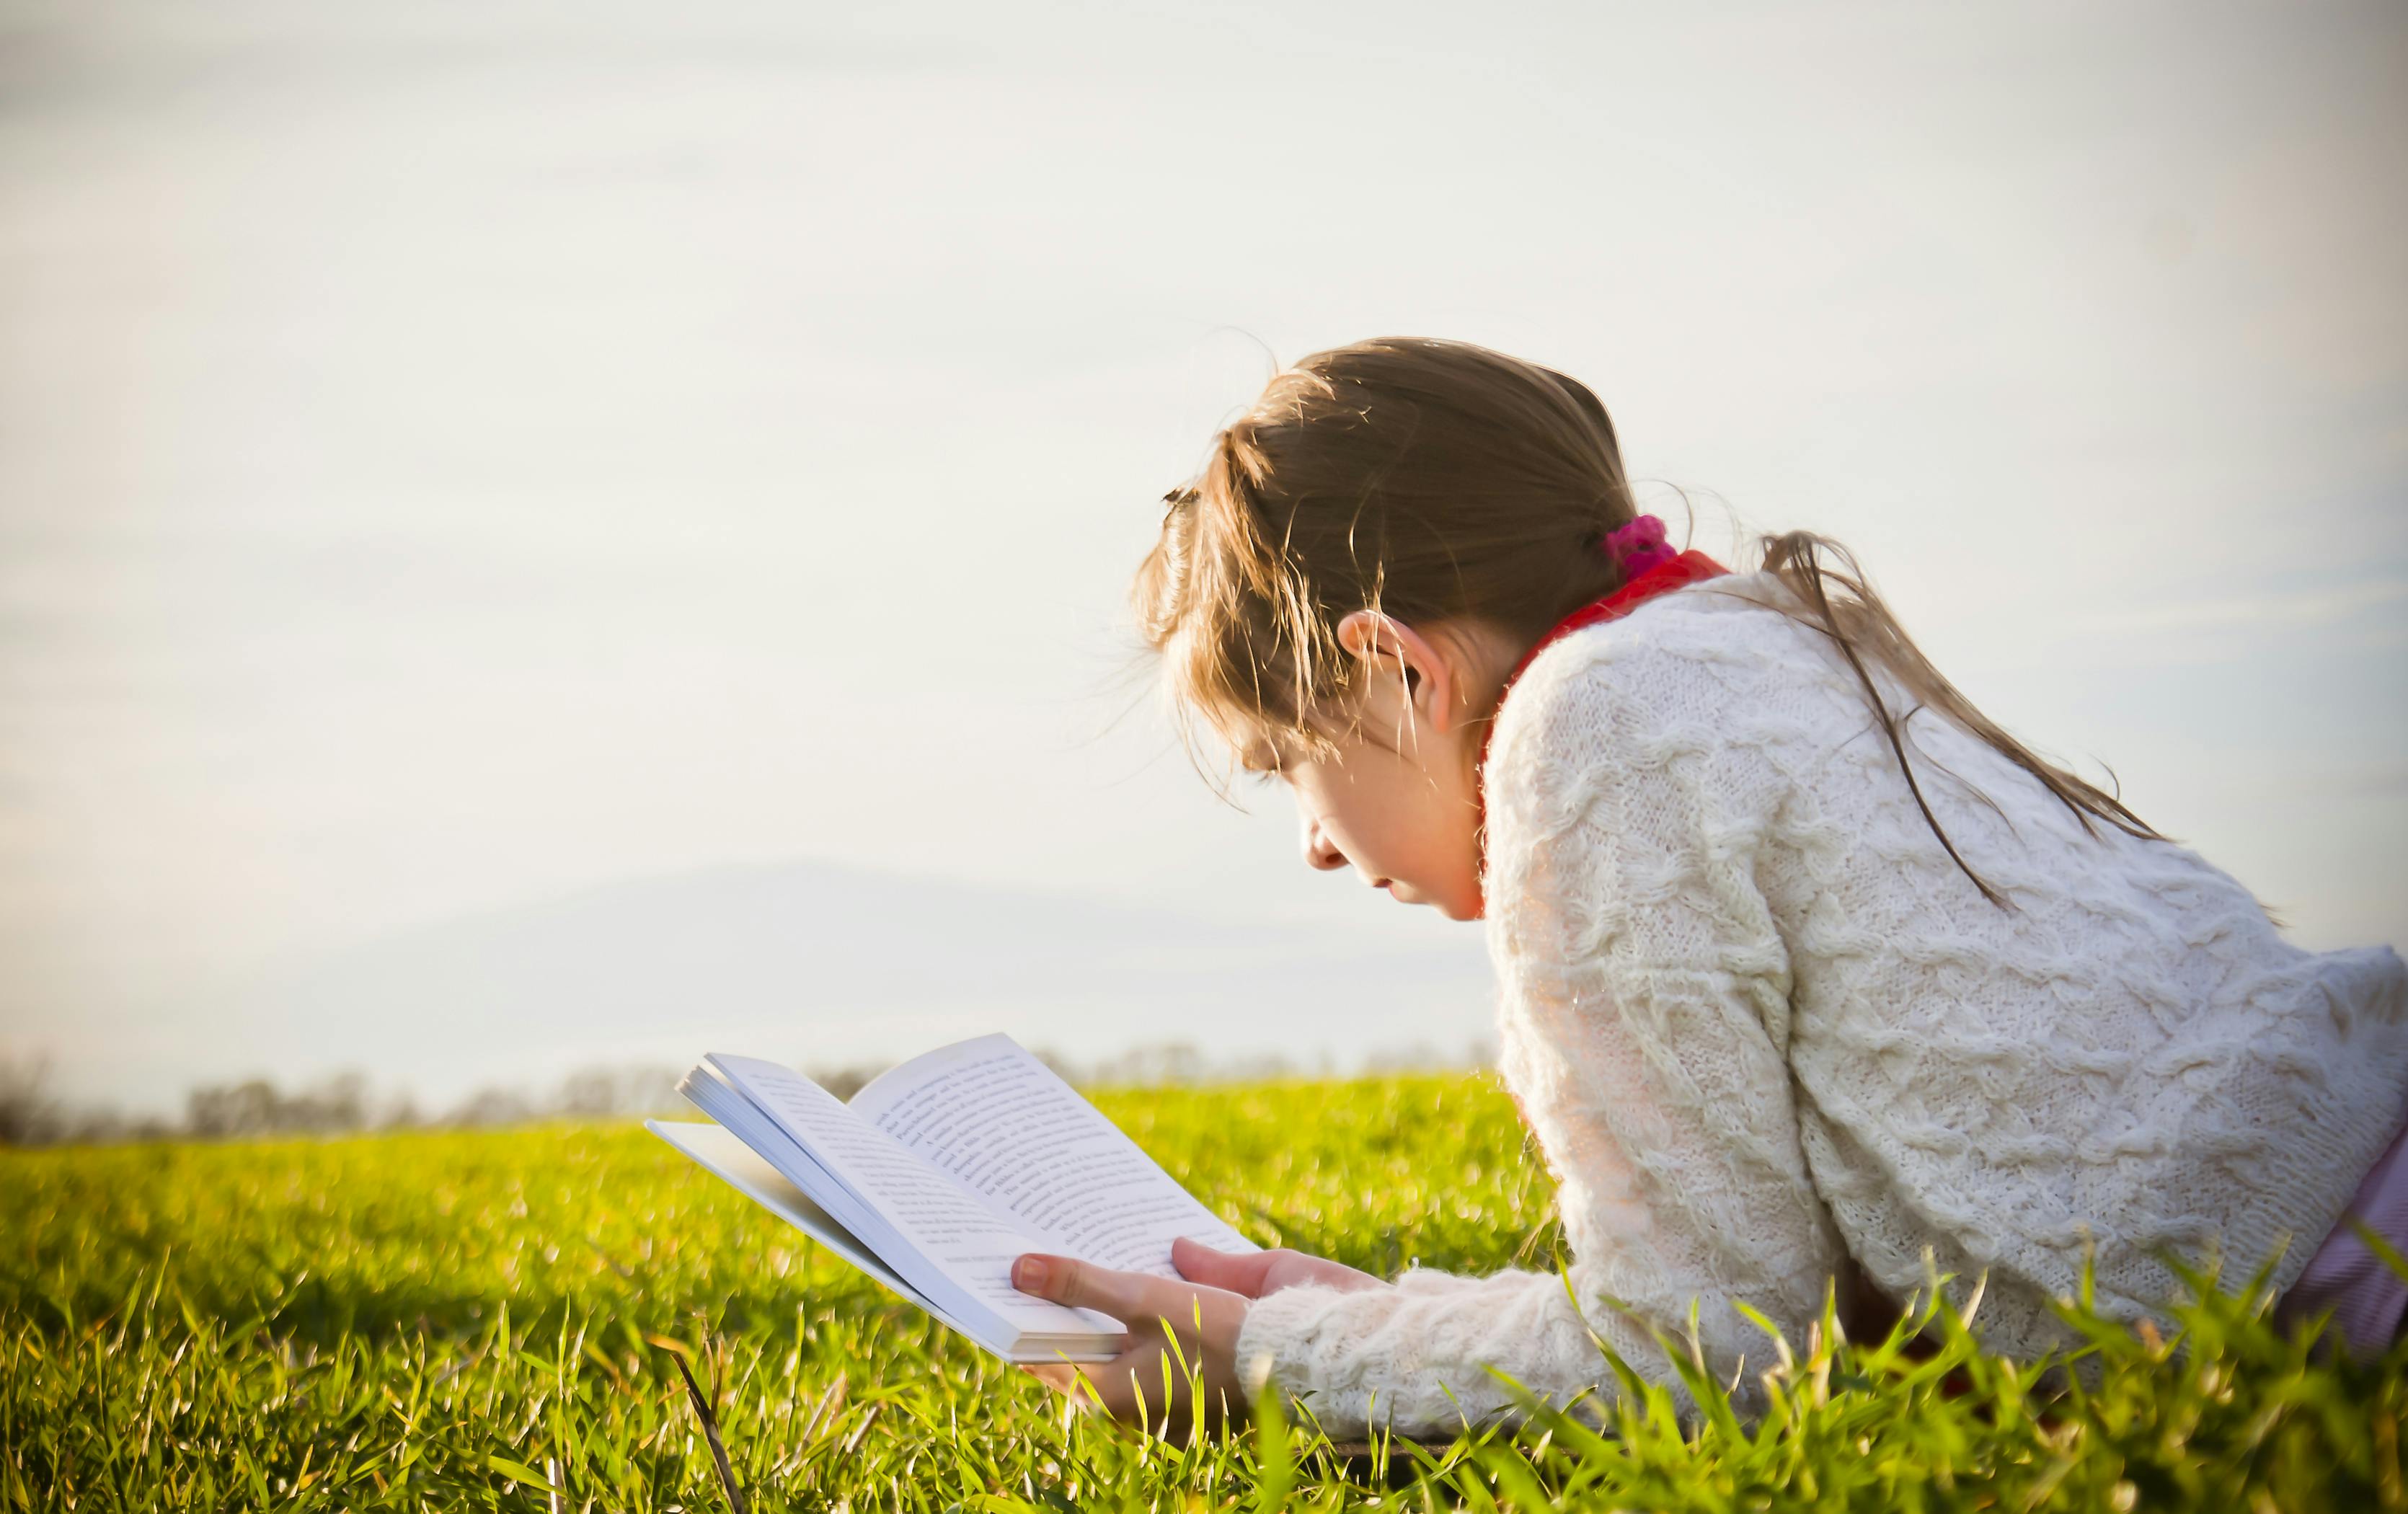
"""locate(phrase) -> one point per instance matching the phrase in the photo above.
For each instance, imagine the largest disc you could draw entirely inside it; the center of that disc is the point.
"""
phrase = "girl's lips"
(1384, 884)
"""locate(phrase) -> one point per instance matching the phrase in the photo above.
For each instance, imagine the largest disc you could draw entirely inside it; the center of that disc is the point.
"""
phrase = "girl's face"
(1398, 801)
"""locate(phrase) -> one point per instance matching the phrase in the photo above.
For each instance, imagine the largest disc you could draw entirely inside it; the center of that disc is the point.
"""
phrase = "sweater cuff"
(1272, 1343)
(1416, 1280)
(1282, 1333)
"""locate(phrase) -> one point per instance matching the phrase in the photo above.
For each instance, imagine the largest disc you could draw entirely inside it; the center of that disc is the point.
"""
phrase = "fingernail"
(1028, 1274)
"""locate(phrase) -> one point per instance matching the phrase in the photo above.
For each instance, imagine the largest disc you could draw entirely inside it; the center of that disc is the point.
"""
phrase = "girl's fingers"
(1137, 1377)
(1173, 1330)
(1239, 1275)
(1062, 1377)
(1130, 1297)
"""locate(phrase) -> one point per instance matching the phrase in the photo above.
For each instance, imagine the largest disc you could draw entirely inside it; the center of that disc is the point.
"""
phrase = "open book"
(939, 1172)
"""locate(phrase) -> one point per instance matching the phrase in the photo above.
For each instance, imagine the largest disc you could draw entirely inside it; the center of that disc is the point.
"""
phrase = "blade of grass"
(710, 1433)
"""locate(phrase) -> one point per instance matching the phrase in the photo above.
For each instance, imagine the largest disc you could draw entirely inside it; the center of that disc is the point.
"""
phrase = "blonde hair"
(1432, 480)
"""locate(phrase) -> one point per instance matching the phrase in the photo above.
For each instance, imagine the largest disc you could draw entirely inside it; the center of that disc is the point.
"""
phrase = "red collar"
(1677, 573)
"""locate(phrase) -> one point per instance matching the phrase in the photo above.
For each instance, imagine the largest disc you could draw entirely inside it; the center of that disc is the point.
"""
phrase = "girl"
(1795, 986)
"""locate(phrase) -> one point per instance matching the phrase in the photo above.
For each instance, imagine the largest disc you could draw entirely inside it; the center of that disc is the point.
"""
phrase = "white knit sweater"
(1760, 1022)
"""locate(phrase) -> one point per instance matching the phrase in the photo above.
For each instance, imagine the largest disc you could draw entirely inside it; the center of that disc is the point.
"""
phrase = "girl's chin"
(1407, 894)
(1404, 893)
(1452, 907)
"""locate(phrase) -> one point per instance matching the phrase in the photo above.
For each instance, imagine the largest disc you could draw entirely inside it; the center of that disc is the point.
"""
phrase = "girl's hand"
(1259, 1274)
(1204, 1322)
(1181, 1339)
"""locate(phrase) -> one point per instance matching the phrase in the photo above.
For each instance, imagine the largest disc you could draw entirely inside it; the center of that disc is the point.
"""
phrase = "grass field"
(492, 1321)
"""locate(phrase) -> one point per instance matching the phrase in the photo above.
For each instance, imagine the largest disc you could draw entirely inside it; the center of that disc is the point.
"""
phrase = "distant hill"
(824, 965)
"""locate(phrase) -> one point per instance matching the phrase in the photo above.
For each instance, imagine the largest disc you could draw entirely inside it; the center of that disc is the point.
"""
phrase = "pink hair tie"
(1638, 545)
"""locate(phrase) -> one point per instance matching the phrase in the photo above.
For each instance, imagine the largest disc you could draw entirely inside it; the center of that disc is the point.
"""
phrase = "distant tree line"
(30, 1115)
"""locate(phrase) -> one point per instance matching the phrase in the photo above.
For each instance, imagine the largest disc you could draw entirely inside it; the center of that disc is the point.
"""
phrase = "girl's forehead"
(1260, 751)
(1265, 748)
(1274, 750)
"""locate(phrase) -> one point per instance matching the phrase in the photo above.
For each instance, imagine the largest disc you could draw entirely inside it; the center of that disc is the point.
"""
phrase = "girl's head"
(1367, 551)
(1370, 548)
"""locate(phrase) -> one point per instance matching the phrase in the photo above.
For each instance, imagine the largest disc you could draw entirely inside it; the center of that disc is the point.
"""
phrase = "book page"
(967, 1238)
(724, 1152)
(1005, 1125)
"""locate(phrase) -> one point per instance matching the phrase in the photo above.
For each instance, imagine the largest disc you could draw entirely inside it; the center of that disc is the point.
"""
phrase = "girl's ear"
(1396, 649)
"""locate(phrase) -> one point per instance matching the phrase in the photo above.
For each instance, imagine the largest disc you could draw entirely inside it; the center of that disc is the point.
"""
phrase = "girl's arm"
(1646, 1020)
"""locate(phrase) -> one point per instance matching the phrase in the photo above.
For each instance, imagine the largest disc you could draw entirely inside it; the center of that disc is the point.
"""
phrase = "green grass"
(475, 1321)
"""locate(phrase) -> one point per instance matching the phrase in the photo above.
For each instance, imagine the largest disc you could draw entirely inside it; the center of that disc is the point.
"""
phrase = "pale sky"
(481, 484)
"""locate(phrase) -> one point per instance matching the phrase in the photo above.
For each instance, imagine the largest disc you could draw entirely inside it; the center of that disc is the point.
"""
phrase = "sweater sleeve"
(1644, 1026)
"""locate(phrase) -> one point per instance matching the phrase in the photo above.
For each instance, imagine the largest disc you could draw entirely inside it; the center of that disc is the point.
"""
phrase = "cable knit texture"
(1760, 1022)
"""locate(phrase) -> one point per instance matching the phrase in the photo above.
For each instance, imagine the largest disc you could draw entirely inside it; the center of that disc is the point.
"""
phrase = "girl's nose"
(1318, 850)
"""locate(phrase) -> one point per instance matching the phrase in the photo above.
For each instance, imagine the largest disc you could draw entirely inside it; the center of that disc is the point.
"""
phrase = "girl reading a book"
(1806, 968)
